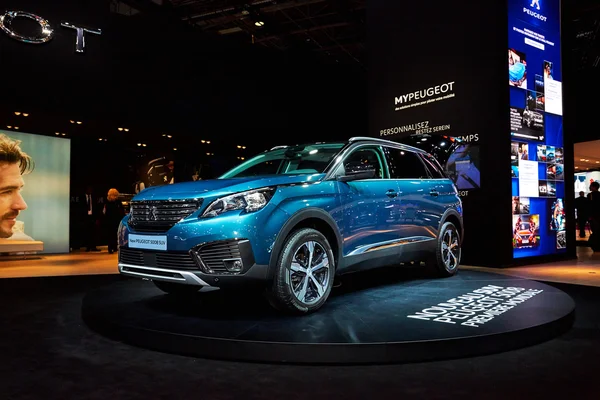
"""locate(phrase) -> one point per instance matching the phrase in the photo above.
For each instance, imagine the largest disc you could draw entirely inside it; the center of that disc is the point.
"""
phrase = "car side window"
(405, 164)
(433, 167)
(371, 155)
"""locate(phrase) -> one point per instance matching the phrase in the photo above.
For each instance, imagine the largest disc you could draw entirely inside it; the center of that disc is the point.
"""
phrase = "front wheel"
(447, 255)
(305, 273)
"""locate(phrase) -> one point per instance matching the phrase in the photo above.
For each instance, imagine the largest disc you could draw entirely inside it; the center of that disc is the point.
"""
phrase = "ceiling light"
(208, 142)
(424, 139)
(576, 167)
(597, 162)
(582, 159)
(100, 139)
(17, 113)
(64, 134)
(203, 141)
(71, 121)
(9, 126)
(126, 129)
(174, 148)
(144, 144)
(79, 122)
(120, 129)
(208, 154)
(16, 127)
(259, 23)
(25, 115)
(169, 136)
(242, 158)
(402, 152)
(139, 144)
(57, 133)
(243, 147)
(239, 147)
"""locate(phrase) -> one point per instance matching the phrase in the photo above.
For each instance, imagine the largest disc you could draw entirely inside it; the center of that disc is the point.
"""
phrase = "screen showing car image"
(560, 172)
(527, 123)
(517, 69)
(44, 225)
(557, 216)
(550, 171)
(541, 153)
(463, 166)
(559, 155)
(550, 154)
(526, 231)
(521, 205)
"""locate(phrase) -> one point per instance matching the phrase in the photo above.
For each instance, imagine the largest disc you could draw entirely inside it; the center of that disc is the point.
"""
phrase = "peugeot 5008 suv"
(292, 218)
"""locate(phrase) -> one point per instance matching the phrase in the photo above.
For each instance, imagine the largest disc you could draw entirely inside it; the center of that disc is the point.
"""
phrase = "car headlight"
(252, 200)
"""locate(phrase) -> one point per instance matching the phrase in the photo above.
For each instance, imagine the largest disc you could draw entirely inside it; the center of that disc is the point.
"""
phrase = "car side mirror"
(356, 170)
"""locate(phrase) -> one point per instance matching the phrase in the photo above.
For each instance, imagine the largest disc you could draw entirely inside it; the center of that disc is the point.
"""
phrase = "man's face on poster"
(11, 201)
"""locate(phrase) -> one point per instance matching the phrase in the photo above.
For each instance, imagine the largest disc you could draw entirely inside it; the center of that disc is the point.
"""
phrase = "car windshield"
(299, 159)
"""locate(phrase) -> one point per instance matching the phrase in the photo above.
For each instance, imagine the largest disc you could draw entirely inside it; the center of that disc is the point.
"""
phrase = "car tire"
(446, 260)
(176, 289)
(298, 287)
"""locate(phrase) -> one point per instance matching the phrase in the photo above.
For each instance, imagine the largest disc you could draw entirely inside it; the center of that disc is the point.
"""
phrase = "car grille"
(170, 260)
(213, 254)
(160, 215)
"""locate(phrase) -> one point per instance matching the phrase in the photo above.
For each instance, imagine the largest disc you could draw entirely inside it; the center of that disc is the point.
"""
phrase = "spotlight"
(100, 139)
(17, 113)
(174, 148)
(259, 23)
(25, 115)
(57, 133)
(64, 134)
(126, 129)
(144, 144)
(139, 144)
(79, 122)
(71, 121)
(120, 129)
(208, 142)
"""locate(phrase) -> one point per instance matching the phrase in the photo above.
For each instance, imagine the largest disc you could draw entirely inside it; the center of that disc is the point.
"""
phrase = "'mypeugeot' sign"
(47, 32)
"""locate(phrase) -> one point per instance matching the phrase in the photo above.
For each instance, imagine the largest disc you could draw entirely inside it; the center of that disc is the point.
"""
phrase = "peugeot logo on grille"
(152, 214)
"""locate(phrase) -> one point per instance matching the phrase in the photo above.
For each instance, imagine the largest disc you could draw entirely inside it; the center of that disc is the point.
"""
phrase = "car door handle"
(391, 193)
(434, 193)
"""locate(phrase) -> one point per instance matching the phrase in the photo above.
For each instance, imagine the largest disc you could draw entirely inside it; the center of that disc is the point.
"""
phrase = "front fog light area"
(233, 265)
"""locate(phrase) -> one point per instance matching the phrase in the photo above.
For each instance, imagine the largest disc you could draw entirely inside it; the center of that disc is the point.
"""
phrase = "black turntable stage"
(380, 317)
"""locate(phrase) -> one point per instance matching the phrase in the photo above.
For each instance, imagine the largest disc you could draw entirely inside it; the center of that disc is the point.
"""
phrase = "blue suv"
(294, 217)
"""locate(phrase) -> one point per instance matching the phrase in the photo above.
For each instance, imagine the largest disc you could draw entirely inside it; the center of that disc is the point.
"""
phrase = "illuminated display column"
(437, 81)
(536, 128)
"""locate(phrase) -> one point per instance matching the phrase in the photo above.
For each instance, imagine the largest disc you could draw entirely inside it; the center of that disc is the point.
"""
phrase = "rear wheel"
(448, 251)
(305, 273)
(176, 289)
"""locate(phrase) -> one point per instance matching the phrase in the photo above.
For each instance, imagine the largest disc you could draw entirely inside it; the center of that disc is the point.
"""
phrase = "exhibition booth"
(434, 93)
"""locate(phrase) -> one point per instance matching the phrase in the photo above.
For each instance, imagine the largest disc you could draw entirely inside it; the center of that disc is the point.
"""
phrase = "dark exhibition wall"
(201, 102)
(156, 74)
(445, 90)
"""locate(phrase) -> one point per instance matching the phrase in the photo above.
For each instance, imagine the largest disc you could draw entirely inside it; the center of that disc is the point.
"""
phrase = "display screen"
(46, 192)
(537, 150)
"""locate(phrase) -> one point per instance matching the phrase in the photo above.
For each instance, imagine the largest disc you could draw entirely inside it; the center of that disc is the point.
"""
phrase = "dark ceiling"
(333, 30)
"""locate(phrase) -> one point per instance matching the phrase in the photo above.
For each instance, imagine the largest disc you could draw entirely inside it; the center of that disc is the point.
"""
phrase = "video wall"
(46, 192)
(536, 127)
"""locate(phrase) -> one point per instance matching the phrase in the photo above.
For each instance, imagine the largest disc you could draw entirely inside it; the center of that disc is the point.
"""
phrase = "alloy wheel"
(450, 250)
(309, 272)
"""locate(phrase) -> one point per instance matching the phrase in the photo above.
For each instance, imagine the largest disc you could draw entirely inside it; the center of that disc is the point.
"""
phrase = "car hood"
(221, 187)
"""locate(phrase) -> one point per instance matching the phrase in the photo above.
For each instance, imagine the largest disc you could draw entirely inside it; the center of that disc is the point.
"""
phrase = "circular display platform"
(378, 317)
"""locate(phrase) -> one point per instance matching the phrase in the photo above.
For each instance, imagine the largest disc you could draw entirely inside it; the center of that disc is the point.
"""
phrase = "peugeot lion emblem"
(152, 214)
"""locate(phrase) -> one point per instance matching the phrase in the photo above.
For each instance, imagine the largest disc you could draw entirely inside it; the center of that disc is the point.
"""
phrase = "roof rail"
(384, 141)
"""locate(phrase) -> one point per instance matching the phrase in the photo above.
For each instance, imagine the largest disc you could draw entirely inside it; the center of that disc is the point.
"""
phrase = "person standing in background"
(582, 205)
(90, 220)
(594, 215)
(113, 213)
(14, 163)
